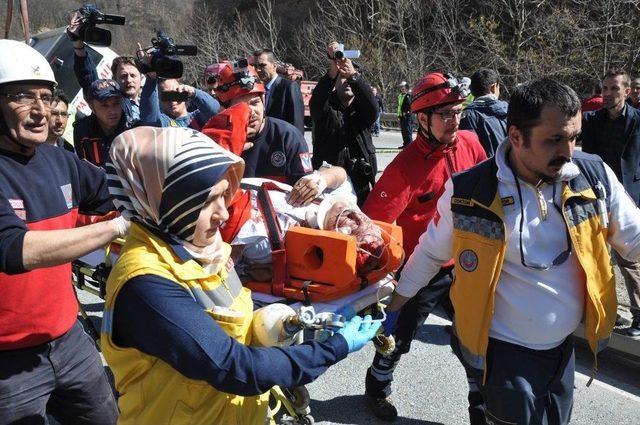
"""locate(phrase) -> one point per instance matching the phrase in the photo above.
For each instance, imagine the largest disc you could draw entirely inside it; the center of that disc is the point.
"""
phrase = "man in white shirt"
(528, 230)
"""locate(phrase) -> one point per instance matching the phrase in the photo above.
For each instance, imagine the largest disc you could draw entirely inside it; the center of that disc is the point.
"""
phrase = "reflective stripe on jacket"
(479, 235)
(151, 391)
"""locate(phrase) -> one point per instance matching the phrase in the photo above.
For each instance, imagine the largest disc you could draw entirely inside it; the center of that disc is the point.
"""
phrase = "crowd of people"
(506, 226)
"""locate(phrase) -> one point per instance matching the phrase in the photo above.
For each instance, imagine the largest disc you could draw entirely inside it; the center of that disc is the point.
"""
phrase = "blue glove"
(358, 332)
(390, 324)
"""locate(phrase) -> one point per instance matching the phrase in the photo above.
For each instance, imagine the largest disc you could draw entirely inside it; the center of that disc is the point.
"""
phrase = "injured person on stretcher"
(290, 247)
(338, 212)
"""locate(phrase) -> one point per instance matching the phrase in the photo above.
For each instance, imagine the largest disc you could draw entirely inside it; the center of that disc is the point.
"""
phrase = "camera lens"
(339, 54)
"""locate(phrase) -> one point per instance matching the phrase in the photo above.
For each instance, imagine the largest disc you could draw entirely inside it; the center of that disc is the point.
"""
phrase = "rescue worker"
(407, 193)
(177, 328)
(48, 364)
(274, 149)
(529, 231)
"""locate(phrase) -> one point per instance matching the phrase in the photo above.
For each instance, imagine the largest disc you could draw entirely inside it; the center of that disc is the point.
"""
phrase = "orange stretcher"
(313, 265)
(320, 265)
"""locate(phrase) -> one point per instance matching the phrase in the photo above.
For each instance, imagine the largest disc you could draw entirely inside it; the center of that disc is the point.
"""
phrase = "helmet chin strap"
(428, 134)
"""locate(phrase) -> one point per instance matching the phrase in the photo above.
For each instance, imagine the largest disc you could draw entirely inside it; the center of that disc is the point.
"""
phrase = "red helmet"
(237, 79)
(438, 89)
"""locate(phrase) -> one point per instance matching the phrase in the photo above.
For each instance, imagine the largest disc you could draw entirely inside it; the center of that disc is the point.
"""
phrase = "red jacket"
(410, 186)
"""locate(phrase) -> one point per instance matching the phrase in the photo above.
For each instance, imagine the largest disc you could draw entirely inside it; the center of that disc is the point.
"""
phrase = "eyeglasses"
(29, 99)
(449, 115)
(262, 65)
(560, 258)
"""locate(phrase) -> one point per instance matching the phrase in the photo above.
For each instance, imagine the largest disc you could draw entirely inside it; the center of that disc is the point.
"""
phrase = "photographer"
(123, 69)
(343, 110)
(158, 112)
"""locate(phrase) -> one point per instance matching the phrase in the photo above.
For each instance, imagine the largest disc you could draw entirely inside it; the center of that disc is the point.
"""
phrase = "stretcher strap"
(278, 254)
(305, 292)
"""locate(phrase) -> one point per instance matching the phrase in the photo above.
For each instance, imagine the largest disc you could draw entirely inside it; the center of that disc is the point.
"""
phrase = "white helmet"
(20, 62)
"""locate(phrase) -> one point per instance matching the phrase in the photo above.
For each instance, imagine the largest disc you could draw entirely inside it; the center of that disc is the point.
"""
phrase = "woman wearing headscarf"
(177, 322)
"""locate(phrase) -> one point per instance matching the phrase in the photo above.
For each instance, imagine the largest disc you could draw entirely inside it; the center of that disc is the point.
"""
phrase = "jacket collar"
(429, 149)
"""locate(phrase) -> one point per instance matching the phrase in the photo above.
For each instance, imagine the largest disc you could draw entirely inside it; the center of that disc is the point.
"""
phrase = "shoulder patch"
(462, 201)
(305, 159)
(507, 200)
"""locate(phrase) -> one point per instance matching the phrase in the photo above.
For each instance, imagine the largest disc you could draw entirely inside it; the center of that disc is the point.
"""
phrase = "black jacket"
(592, 139)
(342, 136)
(487, 117)
(285, 102)
(91, 143)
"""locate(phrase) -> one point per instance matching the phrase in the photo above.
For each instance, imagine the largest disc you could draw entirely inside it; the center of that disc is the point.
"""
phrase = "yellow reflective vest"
(151, 391)
(479, 246)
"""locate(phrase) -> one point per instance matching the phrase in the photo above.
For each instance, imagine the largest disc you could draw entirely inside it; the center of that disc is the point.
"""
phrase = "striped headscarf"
(163, 176)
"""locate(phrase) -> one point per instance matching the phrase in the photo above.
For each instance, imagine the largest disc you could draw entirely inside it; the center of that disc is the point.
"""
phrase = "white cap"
(20, 62)
(318, 219)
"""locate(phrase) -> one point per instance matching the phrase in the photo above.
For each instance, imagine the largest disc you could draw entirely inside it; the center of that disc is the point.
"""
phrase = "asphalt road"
(430, 385)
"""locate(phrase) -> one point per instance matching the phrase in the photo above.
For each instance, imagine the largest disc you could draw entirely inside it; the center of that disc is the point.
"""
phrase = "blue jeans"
(375, 129)
(63, 378)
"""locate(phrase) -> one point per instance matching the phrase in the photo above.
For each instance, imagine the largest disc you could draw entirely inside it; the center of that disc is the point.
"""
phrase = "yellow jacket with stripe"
(151, 391)
(479, 246)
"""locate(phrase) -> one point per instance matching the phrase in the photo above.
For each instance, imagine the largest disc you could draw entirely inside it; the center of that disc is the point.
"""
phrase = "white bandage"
(318, 179)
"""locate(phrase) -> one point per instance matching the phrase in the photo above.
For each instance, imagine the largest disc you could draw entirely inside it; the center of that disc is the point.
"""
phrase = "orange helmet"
(438, 89)
(237, 79)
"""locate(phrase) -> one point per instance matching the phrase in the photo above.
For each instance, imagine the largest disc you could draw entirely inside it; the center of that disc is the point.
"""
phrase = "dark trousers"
(406, 127)
(413, 314)
(631, 274)
(63, 378)
(523, 386)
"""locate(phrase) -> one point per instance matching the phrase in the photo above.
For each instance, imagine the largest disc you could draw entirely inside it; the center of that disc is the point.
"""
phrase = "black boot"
(382, 408)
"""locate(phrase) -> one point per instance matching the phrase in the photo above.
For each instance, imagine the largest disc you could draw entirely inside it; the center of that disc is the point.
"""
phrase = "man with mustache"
(529, 231)
(48, 365)
(274, 148)
(613, 133)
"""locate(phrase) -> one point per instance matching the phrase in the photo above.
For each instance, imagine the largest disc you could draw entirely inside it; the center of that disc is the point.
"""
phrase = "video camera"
(90, 16)
(163, 58)
(340, 53)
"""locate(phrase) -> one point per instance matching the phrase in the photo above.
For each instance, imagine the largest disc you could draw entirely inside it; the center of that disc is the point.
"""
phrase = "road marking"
(584, 379)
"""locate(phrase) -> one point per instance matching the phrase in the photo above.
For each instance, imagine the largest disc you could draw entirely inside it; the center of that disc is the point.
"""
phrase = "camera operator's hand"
(331, 52)
(346, 68)
(144, 56)
(73, 32)
(183, 88)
